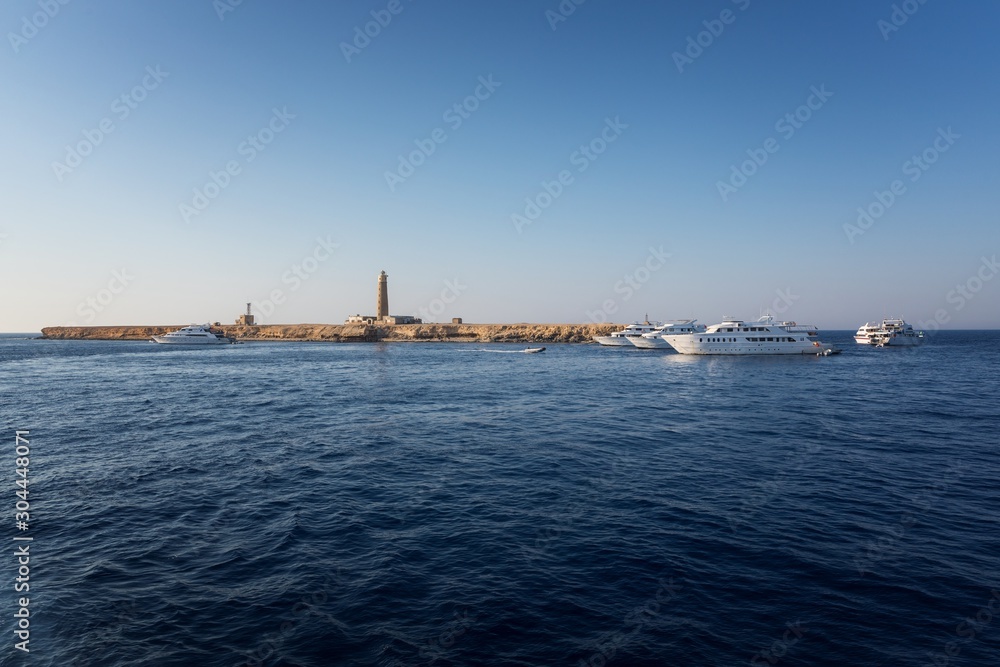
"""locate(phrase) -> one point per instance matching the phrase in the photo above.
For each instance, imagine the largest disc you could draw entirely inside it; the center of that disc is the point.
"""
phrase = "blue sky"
(117, 114)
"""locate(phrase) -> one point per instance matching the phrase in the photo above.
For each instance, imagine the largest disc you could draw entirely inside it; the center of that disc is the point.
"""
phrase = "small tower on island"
(383, 296)
(247, 319)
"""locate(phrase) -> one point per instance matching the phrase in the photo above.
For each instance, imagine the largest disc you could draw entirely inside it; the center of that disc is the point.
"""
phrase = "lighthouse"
(382, 308)
(382, 311)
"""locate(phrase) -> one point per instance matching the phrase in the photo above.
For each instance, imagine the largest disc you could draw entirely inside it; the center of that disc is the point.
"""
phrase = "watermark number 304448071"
(22, 451)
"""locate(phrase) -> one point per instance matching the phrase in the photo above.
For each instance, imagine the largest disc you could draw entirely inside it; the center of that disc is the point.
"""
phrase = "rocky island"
(345, 333)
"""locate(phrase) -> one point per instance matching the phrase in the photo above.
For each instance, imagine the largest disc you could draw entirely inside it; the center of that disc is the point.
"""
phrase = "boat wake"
(501, 351)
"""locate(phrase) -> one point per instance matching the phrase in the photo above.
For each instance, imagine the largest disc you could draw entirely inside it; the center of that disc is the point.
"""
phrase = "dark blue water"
(451, 504)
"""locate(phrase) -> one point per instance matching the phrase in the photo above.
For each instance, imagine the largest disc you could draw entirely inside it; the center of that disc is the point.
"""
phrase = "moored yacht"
(624, 337)
(889, 332)
(196, 334)
(765, 336)
(654, 339)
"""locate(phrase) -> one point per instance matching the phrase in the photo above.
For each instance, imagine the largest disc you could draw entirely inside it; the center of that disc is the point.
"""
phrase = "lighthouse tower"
(383, 296)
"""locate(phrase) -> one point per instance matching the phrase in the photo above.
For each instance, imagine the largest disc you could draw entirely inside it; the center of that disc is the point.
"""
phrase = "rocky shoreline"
(350, 333)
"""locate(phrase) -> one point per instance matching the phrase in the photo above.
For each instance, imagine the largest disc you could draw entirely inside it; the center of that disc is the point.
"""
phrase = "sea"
(418, 504)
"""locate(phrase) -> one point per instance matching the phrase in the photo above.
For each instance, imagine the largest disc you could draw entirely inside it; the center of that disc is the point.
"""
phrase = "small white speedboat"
(534, 350)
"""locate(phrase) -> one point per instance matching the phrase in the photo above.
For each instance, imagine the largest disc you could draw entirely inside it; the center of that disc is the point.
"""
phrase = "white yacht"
(892, 332)
(623, 338)
(196, 334)
(765, 336)
(654, 339)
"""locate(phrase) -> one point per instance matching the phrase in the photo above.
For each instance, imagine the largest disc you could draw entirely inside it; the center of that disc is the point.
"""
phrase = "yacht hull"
(613, 341)
(891, 341)
(166, 340)
(650, 343)
(685, 345)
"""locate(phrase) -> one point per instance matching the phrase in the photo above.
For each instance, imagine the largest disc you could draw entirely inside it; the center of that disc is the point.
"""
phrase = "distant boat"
(892, 332)
(623, 338)
(196, 334)
(534, 350)
(654, 339)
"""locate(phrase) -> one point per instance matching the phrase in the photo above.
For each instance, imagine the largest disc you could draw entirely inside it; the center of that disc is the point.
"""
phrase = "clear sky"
(165, 161)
